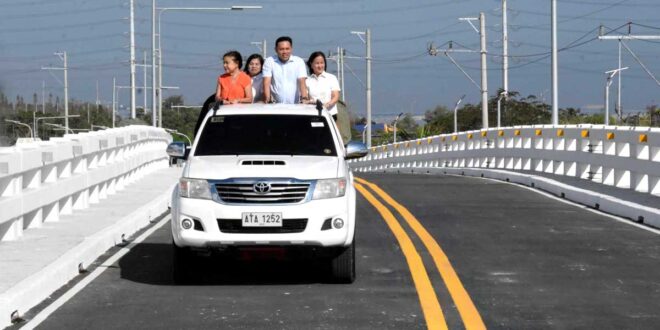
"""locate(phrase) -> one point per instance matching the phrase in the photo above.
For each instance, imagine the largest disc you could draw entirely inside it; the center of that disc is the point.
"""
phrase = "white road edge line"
(569, 202)
(43, 314)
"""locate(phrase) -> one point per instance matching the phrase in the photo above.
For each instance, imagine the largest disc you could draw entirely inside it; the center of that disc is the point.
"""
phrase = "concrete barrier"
(41, 181)
(621, 157)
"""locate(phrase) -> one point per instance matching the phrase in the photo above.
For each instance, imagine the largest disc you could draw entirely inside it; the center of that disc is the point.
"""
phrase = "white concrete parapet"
(41, 181)
(624, 157)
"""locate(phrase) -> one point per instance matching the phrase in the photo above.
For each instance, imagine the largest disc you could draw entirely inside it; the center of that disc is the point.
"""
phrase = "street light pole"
(132, 59)
(395, 122)
(456, 113)
(610, 76)
(555, 74)
(154, 90)
(16, 122)
(499, 102)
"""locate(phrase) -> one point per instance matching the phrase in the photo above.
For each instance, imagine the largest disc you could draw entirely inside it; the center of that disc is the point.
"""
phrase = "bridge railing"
(42, 180)
(625, 157)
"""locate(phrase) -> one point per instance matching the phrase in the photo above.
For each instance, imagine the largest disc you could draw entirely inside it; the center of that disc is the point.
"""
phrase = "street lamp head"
(245, 7)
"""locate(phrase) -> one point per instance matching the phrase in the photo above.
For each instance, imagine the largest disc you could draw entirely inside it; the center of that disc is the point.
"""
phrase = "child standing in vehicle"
(234, 86)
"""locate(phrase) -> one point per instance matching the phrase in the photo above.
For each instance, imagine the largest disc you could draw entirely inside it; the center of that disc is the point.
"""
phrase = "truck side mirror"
(356, 149)
(177, 150)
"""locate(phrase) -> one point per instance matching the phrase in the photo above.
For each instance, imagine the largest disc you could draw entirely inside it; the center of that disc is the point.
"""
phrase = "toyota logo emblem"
(261, 187)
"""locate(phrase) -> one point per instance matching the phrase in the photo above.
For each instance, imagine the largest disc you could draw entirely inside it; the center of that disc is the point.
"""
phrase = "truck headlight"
(329, 188)
(194, 188)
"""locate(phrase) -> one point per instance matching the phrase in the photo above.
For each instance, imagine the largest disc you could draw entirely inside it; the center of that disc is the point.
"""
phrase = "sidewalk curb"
(606, 203)
(39, 286)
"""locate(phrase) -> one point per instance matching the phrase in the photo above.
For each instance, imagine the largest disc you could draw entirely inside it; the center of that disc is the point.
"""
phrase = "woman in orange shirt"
(234, 86)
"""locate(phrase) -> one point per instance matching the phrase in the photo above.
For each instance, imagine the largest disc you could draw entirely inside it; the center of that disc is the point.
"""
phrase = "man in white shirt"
(284, 75)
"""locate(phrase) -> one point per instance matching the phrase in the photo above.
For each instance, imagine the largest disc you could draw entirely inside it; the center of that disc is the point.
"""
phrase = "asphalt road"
(524, 260)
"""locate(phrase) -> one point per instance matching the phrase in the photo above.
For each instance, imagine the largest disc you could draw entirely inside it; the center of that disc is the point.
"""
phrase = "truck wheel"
(342, 266)
(181, 263)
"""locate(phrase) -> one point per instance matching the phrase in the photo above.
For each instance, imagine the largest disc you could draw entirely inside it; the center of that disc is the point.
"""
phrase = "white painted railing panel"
(625, 157)
(41, 181)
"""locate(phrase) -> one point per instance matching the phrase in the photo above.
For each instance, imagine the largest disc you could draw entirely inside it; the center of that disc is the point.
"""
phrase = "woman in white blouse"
(253, 67)
(322, 85)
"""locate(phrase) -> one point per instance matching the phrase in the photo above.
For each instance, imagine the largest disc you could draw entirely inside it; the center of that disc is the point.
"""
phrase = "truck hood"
(298, 167)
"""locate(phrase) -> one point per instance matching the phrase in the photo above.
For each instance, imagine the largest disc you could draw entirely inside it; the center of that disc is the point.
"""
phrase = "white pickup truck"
(271, 175)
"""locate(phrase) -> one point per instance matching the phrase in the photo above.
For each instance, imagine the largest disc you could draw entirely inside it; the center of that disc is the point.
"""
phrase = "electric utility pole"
(63, 57)
(620, 39)
(367, 41)
(132, 32)
(154, 89)
(484, 71)
(505, 50)
(555, 74)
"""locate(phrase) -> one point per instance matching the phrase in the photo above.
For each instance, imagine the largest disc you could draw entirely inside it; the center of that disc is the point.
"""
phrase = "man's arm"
(302, 87)
(267, 89)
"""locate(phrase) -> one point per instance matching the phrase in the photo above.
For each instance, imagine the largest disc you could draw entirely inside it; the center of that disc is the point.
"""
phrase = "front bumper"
(207, 213)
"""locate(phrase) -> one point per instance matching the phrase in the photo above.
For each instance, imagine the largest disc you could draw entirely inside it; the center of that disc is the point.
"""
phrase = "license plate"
(262, 219)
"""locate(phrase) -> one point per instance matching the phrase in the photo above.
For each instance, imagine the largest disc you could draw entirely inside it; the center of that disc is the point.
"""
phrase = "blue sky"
(405, 78)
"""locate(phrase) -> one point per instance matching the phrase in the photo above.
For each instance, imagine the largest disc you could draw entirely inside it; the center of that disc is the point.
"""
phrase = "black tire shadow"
(151, 263)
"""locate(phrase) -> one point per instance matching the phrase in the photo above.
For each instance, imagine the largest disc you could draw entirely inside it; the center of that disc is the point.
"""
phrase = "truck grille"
(280, 193)
(235, 226)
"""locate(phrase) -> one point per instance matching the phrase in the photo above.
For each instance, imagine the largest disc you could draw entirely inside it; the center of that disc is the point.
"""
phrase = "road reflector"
(429, 140)
(419, 142)
(500, 133)
(516, 132)
(470, 135)
(643, 138)
(407, 144)
(560, 132)
(610, 135)
(585, 133)
(538, 132)
(484, 133)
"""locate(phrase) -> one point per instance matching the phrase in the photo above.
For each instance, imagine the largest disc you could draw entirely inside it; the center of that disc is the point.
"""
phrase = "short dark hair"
(236, 56)
(313, 56)
(252, 57)
(283, 38)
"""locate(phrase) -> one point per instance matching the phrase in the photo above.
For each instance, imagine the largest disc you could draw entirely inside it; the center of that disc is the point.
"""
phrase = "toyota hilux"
(266, 175)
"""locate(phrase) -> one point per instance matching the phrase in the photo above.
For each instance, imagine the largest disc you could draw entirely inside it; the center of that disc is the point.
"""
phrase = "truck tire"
(181, 263)
(342, 266)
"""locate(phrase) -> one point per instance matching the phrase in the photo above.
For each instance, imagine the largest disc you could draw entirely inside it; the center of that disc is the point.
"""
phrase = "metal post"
(153, 63)
(610, 75)
(499, 102)
(368, 37)
(114, 100)
(43, 96)
(505, 49)
(484, 72)
(456, 113)
(144, 90)
(66, 91)
(619, 111)
(338, 64)
(132, 60)
(555, 74)
(263, 49)
(160, 75)
(341, 59)
(396, 121)
(607, 99)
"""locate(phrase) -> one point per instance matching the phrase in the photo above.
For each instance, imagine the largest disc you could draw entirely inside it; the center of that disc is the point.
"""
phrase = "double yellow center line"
(429, 301)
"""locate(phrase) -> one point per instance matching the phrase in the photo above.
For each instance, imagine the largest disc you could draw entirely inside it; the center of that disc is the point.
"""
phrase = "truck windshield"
(266, 135)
